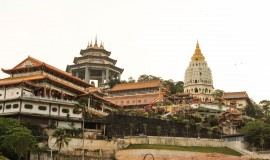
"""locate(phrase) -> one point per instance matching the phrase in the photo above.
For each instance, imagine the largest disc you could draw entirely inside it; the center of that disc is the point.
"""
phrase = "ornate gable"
(28, 62)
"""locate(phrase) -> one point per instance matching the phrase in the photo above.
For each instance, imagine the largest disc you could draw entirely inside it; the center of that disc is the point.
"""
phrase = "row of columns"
(104, 76)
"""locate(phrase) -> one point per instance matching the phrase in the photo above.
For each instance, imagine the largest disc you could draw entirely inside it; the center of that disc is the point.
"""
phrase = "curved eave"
(61, 83)
(76, 59)
(19, 83)
(69, 76)
(53, 69)
(11, 71)
(95, 64)
(95, 50)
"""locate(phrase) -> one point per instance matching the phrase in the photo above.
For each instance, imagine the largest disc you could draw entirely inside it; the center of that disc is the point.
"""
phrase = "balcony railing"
(49, 98)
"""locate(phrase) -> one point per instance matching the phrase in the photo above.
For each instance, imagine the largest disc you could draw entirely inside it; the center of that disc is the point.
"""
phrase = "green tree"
(61, 139)
(15, 138)
(265, 105)
(3, 158)
(20, 141)
(257, 134)
(174, 87)
(145, 128)
(131, 127)
(131, 80)
(198, 128)
(218, 93)
(210, 132)
(145, 78)
(187, 126)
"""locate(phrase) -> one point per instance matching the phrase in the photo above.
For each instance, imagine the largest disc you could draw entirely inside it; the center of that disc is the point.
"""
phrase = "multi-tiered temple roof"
(95, 64)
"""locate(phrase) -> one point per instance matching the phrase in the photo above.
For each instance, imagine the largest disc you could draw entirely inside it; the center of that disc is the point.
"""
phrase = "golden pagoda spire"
(96, 45)
(101, 45)
(197, 56)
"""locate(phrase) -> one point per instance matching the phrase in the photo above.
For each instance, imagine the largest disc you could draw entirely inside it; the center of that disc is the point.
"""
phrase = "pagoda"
(95, 64)
(198, 77)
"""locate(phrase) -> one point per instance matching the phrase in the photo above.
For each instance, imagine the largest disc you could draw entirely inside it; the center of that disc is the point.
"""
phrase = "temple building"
(136, 95)
(95, 64)
(239, 100)
(198, 77)
(39, 93)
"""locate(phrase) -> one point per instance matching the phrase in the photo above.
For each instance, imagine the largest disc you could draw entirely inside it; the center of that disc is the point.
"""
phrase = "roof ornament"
(96, 45)
(101, 45)
(91, 44)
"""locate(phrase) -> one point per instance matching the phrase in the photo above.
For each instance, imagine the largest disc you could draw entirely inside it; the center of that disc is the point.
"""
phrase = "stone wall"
(177, 141)
(77, 144)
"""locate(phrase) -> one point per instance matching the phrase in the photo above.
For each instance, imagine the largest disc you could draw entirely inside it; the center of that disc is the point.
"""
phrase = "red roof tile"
(31, 62)
(138, 85)
(235, 95)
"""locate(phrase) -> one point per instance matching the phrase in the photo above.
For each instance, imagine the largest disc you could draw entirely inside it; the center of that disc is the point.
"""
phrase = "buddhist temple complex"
(95, 64)
(198, 77)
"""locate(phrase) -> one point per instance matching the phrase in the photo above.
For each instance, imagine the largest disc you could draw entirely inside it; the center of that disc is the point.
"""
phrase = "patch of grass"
(222, 150)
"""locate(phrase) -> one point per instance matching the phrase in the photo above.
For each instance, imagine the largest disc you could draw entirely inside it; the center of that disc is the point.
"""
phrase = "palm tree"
(198, 128)
(210, 132)
(158, 130)
(131, 125)
(186, 122)
(61, 139)
(145, 128)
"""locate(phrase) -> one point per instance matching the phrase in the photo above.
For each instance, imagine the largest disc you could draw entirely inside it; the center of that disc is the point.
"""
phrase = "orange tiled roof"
(132, 96)
(235, 95)
(17, 80)
(138, 85)
(36, 63)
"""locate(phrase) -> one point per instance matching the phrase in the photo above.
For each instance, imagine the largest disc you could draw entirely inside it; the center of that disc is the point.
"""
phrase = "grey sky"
(154, 37)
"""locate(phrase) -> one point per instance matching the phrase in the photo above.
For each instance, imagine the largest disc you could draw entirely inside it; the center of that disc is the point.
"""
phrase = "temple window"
(54, 109)
(200, 73)
(196, 90)
(43, 108)
(195, 81)
(15, 106)
(28, 106)
(8, 106)
(139, 101)
(1, 107)
(64, 110)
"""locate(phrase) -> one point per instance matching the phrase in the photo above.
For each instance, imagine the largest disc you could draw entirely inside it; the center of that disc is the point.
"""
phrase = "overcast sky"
(156, 37)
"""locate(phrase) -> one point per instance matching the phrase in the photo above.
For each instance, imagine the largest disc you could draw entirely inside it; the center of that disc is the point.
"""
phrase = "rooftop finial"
(101, 45)
(88, 44)
(96, 45)
(91, 44)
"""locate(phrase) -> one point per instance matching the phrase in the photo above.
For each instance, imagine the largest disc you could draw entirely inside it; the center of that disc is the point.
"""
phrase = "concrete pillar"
(119, 76)
(87, 75)
(103, 76)
(107, 75)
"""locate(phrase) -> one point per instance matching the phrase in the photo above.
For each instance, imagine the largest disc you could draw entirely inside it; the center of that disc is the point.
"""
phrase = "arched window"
(200, 73)
(206, 90)
(191, 90)
(196, 90)
(195, 81)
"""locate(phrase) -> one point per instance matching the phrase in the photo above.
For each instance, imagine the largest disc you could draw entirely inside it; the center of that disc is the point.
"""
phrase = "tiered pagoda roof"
(33, 64)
